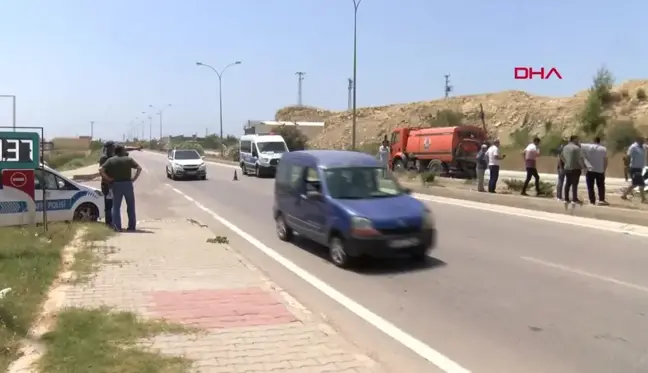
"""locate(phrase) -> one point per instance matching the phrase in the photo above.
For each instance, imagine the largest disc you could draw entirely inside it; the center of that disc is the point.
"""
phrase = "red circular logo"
(18, 179)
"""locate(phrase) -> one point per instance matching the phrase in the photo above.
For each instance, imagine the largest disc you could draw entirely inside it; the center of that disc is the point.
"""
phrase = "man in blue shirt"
(637, 161)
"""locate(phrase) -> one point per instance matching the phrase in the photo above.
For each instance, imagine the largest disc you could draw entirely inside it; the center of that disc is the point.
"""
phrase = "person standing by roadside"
(596, 161)
(118, 172)
(108, 152)
(560, 171)
(571, 157)
(530, 155)
(482, 165)
(383, 155)
(494, 158)
(637, 161)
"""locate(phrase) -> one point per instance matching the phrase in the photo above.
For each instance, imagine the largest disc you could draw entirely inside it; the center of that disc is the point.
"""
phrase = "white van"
(260, 154)
(66, 200)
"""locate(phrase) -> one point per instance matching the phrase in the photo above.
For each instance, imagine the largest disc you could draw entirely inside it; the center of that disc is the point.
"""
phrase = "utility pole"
(350, 95)
(91, 129)
(300, 79)
(448, 87)
(150, 129)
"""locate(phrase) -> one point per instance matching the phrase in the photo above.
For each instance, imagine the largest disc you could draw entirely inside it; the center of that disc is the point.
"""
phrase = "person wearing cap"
(117, 171)
(108, 152)
(482, 165)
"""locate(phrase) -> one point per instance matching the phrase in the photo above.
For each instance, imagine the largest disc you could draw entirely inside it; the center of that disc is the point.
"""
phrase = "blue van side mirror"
(407, 190)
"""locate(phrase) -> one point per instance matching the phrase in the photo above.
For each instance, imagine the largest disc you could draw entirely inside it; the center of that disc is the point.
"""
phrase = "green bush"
(641, 94)
(57, 159)
(191, 145)
(294, 138)
(620, 135)
(444, 118)
(516, 185)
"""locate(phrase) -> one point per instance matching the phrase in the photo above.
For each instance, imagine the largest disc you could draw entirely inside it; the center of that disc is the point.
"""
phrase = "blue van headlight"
(428, 219)
(362, 227)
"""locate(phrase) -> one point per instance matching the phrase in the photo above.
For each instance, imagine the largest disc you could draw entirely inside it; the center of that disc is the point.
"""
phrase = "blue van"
(348, 202)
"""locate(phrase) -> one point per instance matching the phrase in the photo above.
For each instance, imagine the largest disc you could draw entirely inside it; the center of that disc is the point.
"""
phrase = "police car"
(66, 200)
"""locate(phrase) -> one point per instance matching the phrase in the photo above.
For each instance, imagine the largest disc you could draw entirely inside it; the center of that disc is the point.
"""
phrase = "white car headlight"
(176, 165)
(202, 165)
(264, 160)
(428, 219)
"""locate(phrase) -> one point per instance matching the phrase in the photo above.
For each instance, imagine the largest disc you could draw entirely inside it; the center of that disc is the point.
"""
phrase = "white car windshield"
(272, 147)
(187, 154)
(361, 183)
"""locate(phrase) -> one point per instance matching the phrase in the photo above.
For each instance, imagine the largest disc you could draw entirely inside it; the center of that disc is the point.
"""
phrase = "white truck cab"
(260, 153)
(66, 200)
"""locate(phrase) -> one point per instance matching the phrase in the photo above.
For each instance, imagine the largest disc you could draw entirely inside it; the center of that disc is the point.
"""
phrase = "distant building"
(71, 143)
(309, 129)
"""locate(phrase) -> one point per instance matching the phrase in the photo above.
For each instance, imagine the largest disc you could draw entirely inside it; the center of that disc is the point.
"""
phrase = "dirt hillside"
(504, 111)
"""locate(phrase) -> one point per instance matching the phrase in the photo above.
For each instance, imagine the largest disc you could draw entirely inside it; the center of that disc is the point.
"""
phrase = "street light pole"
(159, 112)
(13, 99)
(220, 97)
(356, 4)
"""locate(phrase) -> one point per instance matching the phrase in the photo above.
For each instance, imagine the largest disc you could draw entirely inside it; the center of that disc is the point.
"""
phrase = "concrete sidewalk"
(170, 271)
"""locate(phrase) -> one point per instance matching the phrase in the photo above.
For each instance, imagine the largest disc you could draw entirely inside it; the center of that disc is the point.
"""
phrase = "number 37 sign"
(19, 150)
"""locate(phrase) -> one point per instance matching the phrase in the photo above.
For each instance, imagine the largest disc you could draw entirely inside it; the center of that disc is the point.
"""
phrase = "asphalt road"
(501, 293)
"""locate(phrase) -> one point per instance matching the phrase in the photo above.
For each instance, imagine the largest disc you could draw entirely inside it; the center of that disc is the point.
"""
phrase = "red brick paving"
(219, 309)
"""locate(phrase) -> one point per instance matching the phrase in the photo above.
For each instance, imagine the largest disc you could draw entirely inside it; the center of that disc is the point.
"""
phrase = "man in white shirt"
(383, 154)
(494, 158)
(596, 161)
(530, 155)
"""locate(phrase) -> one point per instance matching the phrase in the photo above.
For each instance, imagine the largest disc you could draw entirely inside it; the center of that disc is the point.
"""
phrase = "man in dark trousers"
(108, 151)
(596, 161)
(572, 161)
(118, 171)
(530, 155)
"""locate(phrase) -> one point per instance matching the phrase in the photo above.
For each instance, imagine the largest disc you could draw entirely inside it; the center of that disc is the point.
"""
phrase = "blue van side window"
(296, 176)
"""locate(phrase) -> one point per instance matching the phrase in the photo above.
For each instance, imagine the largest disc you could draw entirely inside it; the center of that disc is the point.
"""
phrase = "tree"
(191, 145)
(592, 118)
(294, 138)
(602, 85)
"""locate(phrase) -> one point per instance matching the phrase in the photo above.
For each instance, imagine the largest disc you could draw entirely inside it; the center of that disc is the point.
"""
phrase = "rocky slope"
(505, 112)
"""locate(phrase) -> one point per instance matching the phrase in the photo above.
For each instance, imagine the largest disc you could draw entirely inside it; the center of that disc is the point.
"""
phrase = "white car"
(66, 200)
(185, 163)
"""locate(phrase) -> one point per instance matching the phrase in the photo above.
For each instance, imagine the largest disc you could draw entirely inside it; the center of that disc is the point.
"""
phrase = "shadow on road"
(374, 266)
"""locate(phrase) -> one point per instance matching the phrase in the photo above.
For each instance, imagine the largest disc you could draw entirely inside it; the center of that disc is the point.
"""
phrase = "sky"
(69, 62)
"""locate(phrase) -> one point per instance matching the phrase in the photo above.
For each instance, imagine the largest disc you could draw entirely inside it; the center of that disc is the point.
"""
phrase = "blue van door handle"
(303, 196)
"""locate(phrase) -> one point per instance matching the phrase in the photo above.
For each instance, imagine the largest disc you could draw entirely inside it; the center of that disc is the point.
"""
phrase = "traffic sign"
(19, 150)
(23, 180)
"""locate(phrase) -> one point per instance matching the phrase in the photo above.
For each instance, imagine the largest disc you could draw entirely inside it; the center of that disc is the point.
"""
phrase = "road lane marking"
(579, 272)
(418, 347)
(605, 225)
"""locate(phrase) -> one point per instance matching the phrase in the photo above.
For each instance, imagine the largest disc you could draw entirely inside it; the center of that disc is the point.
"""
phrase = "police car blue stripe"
(16, 207)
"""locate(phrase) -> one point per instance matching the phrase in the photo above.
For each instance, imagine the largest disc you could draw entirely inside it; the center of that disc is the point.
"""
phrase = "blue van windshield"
(361, 183)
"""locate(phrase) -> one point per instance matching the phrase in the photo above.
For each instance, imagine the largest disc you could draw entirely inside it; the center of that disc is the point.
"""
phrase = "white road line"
(605, 225)
(579, 272)
(441, 361)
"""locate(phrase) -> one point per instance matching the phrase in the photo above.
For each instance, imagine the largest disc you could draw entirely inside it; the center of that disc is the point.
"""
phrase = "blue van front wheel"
(338, 253)
(284, 232)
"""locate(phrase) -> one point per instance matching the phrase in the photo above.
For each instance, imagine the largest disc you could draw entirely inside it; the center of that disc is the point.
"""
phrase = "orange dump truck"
(449, 151)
